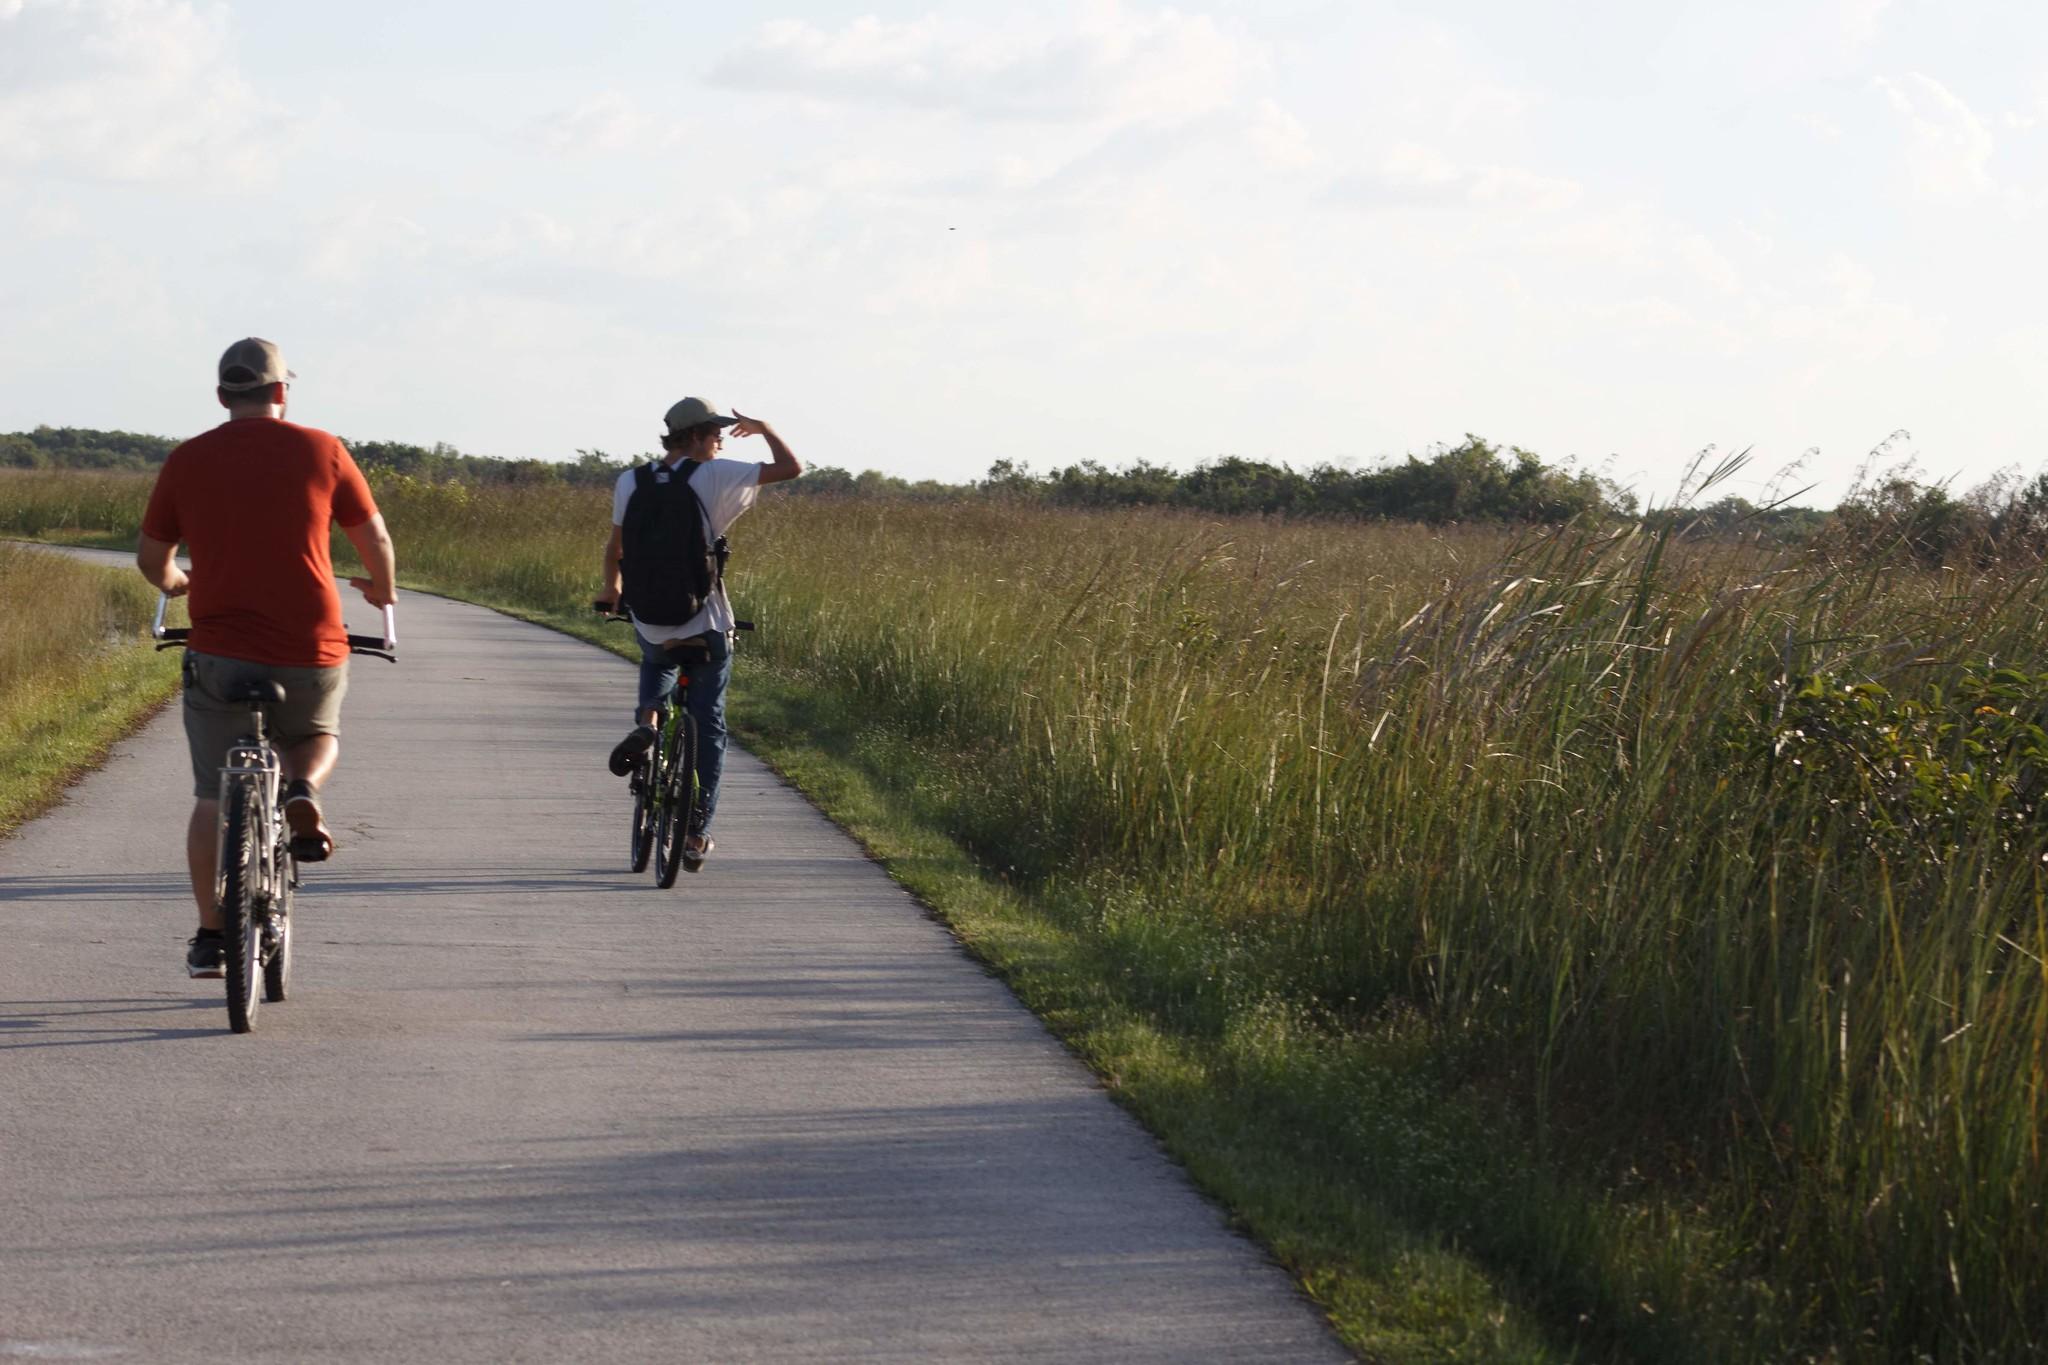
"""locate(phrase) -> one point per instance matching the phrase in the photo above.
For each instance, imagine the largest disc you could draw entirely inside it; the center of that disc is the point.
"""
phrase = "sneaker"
(206, 954)
(696, 849)
(627, 751)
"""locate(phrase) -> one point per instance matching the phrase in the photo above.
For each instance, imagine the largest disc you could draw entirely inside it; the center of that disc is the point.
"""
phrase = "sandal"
(694, 850)
(311, 843)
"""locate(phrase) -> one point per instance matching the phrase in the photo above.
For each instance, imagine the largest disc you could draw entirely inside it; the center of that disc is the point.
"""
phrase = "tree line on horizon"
(1473, 480)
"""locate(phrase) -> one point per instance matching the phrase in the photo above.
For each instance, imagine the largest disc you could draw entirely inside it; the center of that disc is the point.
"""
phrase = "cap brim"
(255, 384)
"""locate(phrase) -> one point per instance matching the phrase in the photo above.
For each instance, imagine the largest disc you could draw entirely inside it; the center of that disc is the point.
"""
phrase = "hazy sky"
(923, 237)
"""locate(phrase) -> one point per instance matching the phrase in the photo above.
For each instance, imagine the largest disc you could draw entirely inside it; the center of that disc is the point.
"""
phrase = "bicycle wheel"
(646, 783)
(277, 938)
(678, 790)
(241, 920)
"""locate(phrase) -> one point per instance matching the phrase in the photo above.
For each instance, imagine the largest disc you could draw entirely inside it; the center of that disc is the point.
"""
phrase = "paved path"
(523, 1106)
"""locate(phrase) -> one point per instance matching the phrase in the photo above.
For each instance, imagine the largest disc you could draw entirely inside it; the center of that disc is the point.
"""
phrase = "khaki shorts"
(213, 724)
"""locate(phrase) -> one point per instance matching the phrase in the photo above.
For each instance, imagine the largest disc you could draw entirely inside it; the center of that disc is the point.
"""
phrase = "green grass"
(1584, 945)
(76, 672)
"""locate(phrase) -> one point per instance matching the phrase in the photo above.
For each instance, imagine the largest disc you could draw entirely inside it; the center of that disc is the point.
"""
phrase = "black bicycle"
(664, 781)
(256, 872)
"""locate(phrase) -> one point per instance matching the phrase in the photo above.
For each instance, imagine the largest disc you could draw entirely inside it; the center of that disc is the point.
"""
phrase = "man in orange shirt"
(252, 500)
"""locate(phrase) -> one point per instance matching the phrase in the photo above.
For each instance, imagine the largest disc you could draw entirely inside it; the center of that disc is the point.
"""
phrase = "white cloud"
(128, 90)
(1410, 166)
(1509, 189)
(1279, 139)
(1948, 149)
(1106, 63)
(1856, 282)
(364, 243)
(1860, 18)
(1413, 174)
(1699, 255)
(608, 122)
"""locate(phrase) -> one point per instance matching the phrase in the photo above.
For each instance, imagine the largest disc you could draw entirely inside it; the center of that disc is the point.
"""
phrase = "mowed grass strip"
(76, 672)
(1632, 947)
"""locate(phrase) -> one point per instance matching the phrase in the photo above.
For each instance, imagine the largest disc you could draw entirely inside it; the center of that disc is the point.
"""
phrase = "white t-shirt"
(726, 488)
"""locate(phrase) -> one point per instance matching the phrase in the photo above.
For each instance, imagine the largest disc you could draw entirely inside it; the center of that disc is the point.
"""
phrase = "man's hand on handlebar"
(176, 582)
(375, 596)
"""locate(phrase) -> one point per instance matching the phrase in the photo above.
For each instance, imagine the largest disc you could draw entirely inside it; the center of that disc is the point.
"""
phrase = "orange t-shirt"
(251, 500)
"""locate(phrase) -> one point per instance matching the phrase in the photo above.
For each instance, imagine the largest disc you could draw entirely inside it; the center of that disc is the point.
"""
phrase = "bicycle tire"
(277, 964)
(645, 785)
(678, 781)
(241, 926)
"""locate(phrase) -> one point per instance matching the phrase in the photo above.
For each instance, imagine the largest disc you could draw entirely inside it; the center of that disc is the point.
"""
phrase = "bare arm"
(158, 561)
(373, 546)
(612, 586)
(785, 464)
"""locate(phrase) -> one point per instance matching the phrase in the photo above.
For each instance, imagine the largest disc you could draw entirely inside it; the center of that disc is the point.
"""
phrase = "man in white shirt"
(702, 645)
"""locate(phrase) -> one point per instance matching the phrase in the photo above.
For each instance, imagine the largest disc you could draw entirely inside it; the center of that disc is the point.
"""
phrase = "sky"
(921, 238)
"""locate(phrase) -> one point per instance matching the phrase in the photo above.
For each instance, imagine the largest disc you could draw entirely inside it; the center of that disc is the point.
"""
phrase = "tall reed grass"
(75, 670)
(72, 504)
(1720, 869)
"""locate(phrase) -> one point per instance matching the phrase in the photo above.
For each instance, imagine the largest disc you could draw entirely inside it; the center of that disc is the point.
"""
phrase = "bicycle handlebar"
(613, 613)
(382, 647)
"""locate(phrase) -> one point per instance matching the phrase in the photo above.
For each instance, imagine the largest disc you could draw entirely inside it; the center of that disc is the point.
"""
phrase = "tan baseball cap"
(252, 363)
(695, 412)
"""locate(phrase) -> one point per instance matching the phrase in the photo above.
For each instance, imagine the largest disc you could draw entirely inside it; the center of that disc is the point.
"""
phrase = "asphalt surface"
(524, 1106)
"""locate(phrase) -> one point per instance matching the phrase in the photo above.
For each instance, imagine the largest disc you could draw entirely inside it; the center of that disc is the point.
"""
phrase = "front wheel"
(678, 802)
(241, 922)
(646, 782)
(277, 938)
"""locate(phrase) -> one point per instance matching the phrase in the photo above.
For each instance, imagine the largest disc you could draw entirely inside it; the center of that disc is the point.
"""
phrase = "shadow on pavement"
(88, 1023)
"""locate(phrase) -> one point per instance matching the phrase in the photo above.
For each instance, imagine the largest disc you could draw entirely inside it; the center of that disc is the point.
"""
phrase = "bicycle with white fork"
(255, 872)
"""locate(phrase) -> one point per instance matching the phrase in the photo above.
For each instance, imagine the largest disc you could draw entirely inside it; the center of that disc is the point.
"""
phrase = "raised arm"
(158, 561)
(612, 587)
(373, 547)
(784, 465)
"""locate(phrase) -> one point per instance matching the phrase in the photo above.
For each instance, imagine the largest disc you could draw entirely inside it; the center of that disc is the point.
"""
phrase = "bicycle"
(664, 782)
(256, 870)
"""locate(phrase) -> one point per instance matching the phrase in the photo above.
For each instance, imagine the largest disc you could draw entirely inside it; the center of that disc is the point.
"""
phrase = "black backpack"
(668, 570)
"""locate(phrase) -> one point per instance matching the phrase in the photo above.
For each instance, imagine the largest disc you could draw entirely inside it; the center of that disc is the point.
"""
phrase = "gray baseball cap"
(252, 363)
(695, 412)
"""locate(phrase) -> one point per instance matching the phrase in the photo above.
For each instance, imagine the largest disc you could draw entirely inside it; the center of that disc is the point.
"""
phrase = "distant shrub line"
(1889, 514)
(1473, 480)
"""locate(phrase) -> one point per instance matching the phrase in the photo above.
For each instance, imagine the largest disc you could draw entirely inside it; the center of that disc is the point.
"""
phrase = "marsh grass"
(77, 507)
(1653, 926)
(76, 672)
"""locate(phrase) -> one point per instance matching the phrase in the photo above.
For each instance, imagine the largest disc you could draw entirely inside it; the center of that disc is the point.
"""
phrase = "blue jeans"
(705, 696)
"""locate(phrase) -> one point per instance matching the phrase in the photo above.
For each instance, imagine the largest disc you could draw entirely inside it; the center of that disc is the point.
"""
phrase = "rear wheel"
(241, 922)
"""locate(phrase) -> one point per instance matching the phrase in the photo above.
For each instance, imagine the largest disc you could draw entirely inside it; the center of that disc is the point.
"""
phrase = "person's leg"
(311, 760)
(211, 725)
(706, 699)
(658, 674)
(657, 685)
(201, 837)
(307, 732)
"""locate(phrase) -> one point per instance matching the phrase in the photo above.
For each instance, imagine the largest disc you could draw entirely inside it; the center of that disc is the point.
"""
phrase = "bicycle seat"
(258, 694)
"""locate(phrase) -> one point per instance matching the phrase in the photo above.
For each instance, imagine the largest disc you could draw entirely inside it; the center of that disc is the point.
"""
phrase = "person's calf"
(201, 843)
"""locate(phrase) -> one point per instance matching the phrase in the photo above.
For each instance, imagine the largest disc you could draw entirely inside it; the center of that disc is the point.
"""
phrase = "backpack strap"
(720, 551)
